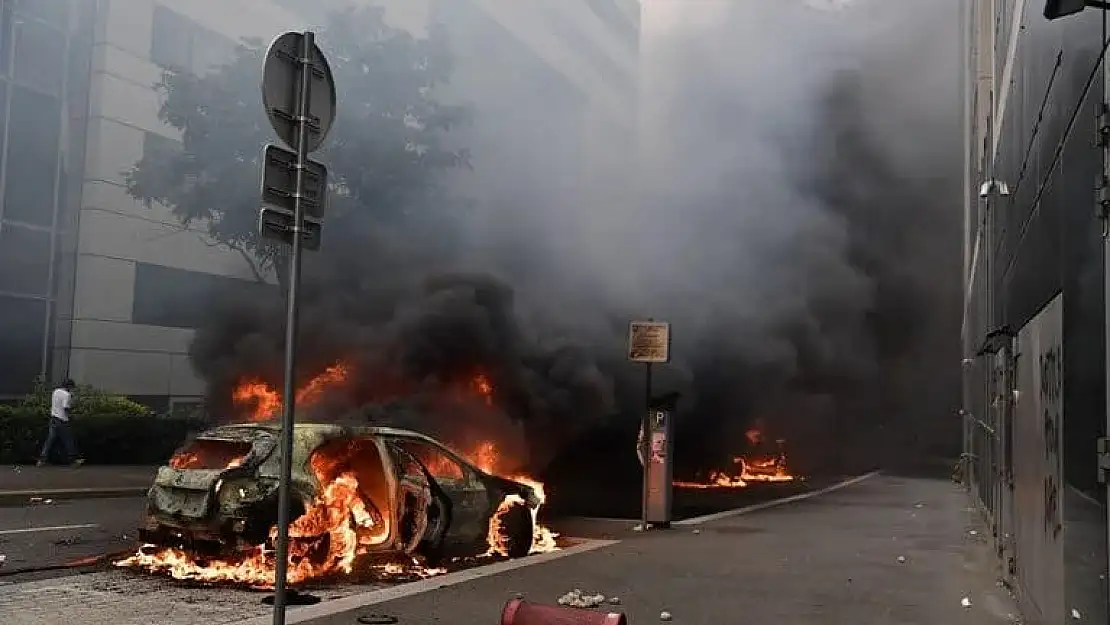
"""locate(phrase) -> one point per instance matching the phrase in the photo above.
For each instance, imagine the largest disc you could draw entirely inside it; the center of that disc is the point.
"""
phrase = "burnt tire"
(518, 528)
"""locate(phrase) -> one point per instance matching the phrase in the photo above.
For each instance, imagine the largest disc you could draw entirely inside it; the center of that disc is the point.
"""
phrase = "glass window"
(5, 37)
(33, 146)
(616, 19)
(171, 39)
(440, 465)
(210, 50)
(40, 56)
(179, 298)
(24, 260)
(3, 122)
(155, 145)
(55, 12)
(22, 335)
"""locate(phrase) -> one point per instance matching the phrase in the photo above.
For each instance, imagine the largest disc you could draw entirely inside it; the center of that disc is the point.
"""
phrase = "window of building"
(33, 148)
(180, 43)
(40, 56)
(24, 260)
(22, 336)
(156, 146)
(210, 50)
(6, 25)
(616, 20)
(438, 463)
(179, 298)
(54, 12)
(171, 39)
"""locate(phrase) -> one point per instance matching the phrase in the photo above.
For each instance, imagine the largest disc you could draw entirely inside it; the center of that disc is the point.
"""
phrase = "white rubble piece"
(577, 599)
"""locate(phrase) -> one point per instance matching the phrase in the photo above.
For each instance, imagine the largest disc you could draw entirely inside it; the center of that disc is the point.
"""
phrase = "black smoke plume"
(799, 224)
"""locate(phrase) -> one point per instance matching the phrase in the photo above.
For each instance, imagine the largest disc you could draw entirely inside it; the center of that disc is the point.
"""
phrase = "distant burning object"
(757, 467)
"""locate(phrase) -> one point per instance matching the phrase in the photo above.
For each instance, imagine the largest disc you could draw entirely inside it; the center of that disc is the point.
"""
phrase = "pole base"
(292, 597)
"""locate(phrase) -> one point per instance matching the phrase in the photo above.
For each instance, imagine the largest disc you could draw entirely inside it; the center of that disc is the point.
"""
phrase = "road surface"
(46, 534)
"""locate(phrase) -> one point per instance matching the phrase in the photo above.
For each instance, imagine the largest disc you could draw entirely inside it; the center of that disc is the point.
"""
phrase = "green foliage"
(109, 429)
(383, 154)
(127, 439)
(87, 401)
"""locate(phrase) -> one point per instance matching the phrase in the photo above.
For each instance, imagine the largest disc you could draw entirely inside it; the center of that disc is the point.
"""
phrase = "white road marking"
(353, 602)
(53, 528)
(776, 502)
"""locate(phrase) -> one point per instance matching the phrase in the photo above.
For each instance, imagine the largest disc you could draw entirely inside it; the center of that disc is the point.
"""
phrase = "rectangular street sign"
(279, 182)
(274, 223)
(649, 341)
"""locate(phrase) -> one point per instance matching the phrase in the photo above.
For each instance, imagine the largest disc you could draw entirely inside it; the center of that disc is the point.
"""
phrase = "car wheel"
(517, 525)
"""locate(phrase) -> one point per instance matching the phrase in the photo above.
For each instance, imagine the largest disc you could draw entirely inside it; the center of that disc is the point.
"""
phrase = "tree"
(383, 154)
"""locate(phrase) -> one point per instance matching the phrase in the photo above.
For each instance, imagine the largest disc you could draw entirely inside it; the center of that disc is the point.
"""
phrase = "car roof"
(329, 430)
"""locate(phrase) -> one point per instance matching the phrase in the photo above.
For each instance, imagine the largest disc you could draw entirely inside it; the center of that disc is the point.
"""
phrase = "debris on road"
(576, 599)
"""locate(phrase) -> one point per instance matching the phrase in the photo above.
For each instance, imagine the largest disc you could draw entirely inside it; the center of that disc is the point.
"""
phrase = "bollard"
(520, 612)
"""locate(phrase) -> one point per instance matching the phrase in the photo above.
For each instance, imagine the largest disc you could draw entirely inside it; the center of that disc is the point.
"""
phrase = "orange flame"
(265, 403)
(341, 525)
(748, 468)
(483, 387)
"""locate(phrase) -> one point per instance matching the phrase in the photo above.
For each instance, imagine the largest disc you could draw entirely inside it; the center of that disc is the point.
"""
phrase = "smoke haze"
(792, 208)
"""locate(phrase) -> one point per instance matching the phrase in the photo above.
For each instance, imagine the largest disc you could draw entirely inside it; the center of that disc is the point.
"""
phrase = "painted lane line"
(776, 502)
(354, 602)
(53, 528)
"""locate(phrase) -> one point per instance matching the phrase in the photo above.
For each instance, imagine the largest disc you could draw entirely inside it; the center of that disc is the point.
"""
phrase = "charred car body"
(219, 492)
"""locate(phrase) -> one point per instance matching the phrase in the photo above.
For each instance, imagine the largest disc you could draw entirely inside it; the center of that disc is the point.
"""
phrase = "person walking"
(60, 401)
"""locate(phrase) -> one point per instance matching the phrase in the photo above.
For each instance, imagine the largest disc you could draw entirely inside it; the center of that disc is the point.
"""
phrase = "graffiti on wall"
(1051, 391)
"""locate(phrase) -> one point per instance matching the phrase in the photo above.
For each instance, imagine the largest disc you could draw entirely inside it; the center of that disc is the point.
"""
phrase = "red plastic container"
(521, 612)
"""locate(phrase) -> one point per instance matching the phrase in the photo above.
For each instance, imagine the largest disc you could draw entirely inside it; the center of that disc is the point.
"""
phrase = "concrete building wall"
(119, 340)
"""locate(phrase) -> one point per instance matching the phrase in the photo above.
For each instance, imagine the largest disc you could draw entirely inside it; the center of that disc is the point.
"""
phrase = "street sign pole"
(289, 397)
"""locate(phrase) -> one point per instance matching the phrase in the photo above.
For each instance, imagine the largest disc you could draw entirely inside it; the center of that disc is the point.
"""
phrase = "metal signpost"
(298, 92)
(649, 342)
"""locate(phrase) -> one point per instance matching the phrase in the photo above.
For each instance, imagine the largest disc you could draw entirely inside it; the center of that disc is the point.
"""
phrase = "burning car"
(358, 491)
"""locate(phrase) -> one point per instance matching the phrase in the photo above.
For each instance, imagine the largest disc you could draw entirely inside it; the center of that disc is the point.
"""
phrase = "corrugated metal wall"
(1035, 377)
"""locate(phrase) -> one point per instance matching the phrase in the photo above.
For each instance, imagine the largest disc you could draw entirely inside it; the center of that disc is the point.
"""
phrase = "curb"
(15, 498)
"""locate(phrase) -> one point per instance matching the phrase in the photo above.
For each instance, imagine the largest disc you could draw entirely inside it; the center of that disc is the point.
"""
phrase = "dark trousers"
(59, 431)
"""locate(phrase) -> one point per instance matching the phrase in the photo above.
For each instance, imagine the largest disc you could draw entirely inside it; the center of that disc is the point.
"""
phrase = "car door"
(469, 500)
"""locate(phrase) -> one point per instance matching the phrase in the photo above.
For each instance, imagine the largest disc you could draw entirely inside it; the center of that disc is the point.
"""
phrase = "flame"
(204, 454)
(749, 468)
(341, 525)
(265, 402)
(483, 388)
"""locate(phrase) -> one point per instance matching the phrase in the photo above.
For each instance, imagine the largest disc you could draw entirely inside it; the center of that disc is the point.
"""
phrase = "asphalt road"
(50, 539)
(45, 535)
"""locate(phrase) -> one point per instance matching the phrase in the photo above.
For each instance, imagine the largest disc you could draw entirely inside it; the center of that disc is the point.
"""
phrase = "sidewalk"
(831, 559)
(19, 484)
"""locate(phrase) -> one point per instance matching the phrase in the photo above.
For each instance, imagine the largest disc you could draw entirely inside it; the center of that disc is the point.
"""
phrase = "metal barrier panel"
(1038, 521)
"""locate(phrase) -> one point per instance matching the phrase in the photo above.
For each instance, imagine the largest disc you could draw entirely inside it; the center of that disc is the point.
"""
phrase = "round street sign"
(281, 83)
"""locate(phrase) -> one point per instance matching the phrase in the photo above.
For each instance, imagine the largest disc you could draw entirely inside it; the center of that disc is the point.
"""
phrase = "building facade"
(104, 289)
(1034, 332)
